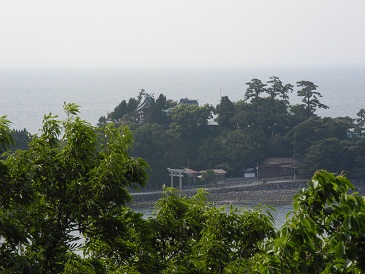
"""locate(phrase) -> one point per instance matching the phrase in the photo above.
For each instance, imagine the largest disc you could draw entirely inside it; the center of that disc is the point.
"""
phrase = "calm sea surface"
(279, 214)
(26, 95)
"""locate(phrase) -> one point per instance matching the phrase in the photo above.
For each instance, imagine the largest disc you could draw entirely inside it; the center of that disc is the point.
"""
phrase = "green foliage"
(158, 111)
(360, 121)
(262, 125)
(230, 240)
(324, 154)
(310, 97)
(278, 89)
(325, 231)
(187, 119)
(21, 139)
(5, 134)
(177, 226)
(230, 151)
(193, 236)
(67, 193)
(226, 111)
(122, 109)
(255, 88)
(71, 183)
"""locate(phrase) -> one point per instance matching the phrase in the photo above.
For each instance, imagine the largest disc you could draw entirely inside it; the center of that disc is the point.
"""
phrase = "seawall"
(273, 193)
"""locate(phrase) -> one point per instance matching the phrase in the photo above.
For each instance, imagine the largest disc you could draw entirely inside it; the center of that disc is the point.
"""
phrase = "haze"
(118, 33)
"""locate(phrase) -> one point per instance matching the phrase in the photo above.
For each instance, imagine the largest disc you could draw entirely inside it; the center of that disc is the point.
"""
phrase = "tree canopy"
(70, 184)
(235, 135)
(201, 137)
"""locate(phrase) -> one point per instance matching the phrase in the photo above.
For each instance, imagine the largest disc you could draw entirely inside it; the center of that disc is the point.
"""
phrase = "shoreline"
(272, 194)
(268, 194)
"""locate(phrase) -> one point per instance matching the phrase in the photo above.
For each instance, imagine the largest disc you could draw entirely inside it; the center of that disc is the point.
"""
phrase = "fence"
(242, 181)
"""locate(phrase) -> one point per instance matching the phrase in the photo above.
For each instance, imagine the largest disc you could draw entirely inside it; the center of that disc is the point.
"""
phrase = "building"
(277, 167)
(219, 175)
(191, 175)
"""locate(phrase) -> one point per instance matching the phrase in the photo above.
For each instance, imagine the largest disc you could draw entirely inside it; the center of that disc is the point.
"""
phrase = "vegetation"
(63, 210)
(262, 125)
(324, 233)
(70, 184)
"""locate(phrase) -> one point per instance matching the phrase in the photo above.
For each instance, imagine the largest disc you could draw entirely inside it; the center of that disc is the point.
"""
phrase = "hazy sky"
(63, 33)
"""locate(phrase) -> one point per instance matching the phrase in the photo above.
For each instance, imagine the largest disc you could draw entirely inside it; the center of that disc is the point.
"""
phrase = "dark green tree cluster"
(69, 185)
(324, 233)
(262, 125)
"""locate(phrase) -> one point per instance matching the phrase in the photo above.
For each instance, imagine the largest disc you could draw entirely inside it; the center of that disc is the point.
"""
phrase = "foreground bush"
(325, 233)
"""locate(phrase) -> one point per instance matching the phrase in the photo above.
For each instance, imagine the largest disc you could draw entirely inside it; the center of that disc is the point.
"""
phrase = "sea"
(26, 95)
(279, 212)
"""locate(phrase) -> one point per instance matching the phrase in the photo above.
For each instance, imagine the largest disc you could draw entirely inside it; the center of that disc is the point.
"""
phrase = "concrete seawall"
(268, 193)
(257, 193)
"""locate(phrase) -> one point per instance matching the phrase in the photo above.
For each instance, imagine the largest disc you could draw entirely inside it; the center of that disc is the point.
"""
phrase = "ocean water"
(26, 95)
(279, 214)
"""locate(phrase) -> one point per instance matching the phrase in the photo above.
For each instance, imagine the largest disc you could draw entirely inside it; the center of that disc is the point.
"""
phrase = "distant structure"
(277, 167)
(219, 175)
(143, 109)
(190, 102)
(176, 173)
(183, 101)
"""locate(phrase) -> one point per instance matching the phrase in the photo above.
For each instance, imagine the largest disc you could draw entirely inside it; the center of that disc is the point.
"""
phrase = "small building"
(191, 175)
(277, 167)
(219, 175)
(249, 172)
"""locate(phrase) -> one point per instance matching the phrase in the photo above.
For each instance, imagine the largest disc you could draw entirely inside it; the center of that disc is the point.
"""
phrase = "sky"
(144, 33)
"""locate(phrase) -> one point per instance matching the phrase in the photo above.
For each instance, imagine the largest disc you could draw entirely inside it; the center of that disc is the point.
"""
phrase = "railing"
(230, 183)
(240, 182)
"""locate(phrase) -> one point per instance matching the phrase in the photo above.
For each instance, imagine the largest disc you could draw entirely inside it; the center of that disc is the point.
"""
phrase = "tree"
(191, 235)
(150, 144)
(278, 89)
(245, 115)
(324, 234)
(71, 181)
(232, 151)
(310, 97)
(158, 110)
(21, 139)
(122, 109)
(255, 88)
(188, 129)
(231, 240)
(315, 129)
(177, 223)
(322, 154)
(186, 119)
(360, 121)
(225, 110)
(6, 138)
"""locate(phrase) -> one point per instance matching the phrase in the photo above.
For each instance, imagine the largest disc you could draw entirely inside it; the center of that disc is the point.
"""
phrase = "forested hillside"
(236, 135)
